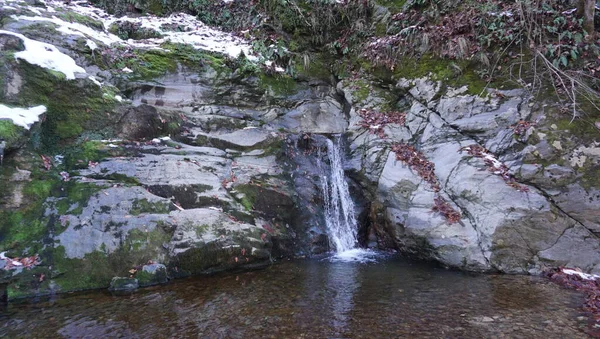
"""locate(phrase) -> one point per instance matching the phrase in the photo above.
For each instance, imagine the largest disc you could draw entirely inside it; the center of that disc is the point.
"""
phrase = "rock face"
(502, 227)
(197, 168)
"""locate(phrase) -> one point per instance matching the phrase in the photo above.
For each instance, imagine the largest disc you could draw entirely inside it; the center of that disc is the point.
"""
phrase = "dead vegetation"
(375, 121)
(426, 170)
(494, 165)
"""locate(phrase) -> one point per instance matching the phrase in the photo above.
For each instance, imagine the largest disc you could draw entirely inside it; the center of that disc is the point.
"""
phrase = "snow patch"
(91, 44)
(91, 77)
(46, 56)
(24, 117)
(582, 275)
(189, 30)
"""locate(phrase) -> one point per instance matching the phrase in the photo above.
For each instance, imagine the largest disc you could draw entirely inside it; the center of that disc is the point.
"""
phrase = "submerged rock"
(122, 284)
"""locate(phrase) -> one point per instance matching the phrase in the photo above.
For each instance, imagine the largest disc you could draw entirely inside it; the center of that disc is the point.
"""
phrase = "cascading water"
(339, 208)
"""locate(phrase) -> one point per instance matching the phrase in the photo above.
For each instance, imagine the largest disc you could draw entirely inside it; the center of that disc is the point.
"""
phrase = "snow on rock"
(24, 117)
(94, 80)
(189, 30)
(46, 56)
(91, 44)
(582, 275)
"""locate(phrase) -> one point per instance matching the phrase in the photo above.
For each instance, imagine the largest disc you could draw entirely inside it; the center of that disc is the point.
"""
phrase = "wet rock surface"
(517, 229)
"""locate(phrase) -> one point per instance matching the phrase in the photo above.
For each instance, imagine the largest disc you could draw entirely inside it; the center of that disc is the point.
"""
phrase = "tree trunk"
(585, 10)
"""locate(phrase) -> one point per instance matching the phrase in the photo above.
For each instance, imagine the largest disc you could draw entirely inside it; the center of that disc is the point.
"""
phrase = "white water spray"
(339, 208)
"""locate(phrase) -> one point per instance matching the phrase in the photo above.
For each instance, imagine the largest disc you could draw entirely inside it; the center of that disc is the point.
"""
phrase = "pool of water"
(316, 298)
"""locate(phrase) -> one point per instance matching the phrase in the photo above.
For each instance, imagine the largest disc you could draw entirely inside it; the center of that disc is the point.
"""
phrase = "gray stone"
(123, 284)
(324, 116)
(152, 274)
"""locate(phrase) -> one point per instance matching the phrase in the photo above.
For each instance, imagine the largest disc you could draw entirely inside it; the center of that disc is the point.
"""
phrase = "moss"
(67, 115)
(580, 128)
(155, 7)
(154, 63)
(81, 19)
(279, 85)
(132, 30)
(145, 206)
(23, 231)
(362, 91)
(201, 229)
(317, 66)
(590, 178)
(267, 202)
(39, 189)
(455, 73)
(11, 132)
(96, 269)
(381, 29)
(78, 193)
(80, 155)
(40, 30)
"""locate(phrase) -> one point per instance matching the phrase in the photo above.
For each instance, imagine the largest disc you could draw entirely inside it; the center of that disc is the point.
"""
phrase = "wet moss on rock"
(81, 19)
(73, 106)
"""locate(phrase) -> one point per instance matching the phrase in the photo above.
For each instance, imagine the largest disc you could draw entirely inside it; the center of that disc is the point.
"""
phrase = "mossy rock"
(152, 274)
(132, 30)
(15, 136)
(81, 19)
(73, 106)
(269, 203)
(277, 85)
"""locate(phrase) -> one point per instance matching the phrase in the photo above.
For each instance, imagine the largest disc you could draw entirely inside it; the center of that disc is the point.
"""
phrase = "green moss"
(79, 193)
(580, 128)
(145, 206)
(72, 106)
(96, 269)
(39, 189)
(381, 29)
(22, 231)
(317, 65)
(279, 85)
(201, 229)
(590, 177)
(132, 30)
(10, 132)
(81, 19)
(455, 73)
(40, 30)
(155, 7)
(363, 90)
(154, 63)
(78, 156)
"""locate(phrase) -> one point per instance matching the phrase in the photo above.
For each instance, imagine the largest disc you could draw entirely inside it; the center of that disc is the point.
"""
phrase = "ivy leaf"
(573, 54)
(563, 60)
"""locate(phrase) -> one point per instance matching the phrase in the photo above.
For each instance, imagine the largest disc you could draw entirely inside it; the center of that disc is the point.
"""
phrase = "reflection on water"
(342, 284)
(314, 299)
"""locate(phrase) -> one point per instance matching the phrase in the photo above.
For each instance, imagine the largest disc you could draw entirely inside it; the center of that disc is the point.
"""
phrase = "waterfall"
(339, 208)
